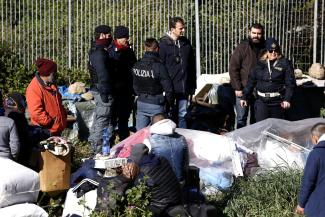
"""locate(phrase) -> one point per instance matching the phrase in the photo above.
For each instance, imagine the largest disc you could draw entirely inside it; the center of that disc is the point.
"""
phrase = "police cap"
(272, 44)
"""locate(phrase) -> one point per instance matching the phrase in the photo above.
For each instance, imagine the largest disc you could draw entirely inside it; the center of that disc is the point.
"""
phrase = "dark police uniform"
(121, 61)
(101, 88)
(274, 82)
(150, 80)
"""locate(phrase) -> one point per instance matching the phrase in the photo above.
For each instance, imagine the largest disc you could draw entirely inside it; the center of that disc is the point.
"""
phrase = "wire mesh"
(35, 28)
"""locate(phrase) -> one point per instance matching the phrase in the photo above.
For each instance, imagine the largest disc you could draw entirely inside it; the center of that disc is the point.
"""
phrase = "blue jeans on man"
(144, 113)
(242, 112)
(180, 110)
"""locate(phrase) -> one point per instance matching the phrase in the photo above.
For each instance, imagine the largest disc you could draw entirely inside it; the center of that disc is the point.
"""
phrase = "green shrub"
(14, 76)
(69, 76)
(271, 194)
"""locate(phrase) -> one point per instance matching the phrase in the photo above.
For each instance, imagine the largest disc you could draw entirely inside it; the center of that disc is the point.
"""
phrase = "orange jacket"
(45, 106)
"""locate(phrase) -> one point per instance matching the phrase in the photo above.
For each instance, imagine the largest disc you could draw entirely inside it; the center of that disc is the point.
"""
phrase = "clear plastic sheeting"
(277, 142)
(85, 117)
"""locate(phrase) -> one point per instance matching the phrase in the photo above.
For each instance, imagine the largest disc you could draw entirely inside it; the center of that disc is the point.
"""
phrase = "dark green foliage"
(270, 194)
(14, 76)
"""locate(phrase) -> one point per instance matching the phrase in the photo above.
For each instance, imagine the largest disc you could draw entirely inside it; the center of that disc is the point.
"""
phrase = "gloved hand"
(191, 91)
(104, 98)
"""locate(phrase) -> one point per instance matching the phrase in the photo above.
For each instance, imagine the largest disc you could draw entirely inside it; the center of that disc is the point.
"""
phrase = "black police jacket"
(180, 63)
(281, 79)
(99, 71)
(150, 77)
(120, 64)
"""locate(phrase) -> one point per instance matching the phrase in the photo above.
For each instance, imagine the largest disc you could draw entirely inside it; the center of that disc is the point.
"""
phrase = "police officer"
(274, 80)
(101, 85)
(150, 81)
(121, 60)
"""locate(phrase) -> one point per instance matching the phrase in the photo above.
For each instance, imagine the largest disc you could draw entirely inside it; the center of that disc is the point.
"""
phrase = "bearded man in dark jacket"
(243, 60)
(177, 54)
(101, 85)
(121, 60)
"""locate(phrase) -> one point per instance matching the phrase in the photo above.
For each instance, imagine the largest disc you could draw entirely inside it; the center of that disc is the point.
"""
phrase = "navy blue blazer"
(312, 192)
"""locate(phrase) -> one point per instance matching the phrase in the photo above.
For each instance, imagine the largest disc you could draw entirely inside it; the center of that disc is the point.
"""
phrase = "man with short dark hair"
(121, 60)
(101, 86)
(311, 197)
(150, 82)
(177, 54)
(243, 59)
(164, 141)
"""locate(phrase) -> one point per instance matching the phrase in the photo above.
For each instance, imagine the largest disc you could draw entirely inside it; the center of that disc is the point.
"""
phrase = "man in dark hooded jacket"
(177, 54)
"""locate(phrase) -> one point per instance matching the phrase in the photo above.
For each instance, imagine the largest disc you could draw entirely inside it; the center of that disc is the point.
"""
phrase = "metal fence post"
(315, 32)
(197, 39)
(69, 33)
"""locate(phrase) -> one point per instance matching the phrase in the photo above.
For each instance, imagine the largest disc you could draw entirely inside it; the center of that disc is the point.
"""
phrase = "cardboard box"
(54, 171)
(202, 98)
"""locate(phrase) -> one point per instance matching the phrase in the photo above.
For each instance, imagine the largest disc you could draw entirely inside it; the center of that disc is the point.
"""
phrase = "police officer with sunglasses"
(274, 80)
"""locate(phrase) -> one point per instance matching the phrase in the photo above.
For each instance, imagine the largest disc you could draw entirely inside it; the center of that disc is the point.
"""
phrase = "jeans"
(102, 119)
(144, 113)
(242, 112)
(179, 110)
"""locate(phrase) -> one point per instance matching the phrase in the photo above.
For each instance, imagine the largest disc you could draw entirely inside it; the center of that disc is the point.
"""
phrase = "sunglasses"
(273, 51)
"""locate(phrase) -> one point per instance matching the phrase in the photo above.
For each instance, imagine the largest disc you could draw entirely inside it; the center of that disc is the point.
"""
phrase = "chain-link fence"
(63, 29)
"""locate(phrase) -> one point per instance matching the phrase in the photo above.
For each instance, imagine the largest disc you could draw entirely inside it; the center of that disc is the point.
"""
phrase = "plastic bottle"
(105, 148)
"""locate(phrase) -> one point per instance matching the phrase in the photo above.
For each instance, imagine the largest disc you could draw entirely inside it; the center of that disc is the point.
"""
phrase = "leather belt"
(274, 94)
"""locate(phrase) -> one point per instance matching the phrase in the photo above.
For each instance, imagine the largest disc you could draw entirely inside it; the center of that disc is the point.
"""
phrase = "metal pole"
(69, 34)
(197, 39)
(315, 32)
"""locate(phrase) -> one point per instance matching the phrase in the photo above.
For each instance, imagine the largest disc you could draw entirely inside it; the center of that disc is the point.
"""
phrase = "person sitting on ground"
(44, 100)
(162, 182)
(9, 140)
(14, 105)
(312, 192)
(165, 142)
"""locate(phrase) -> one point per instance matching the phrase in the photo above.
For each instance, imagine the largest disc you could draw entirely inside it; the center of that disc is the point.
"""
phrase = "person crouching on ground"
(164, 188)
(312, 192)
(44, 100)
(165, 142)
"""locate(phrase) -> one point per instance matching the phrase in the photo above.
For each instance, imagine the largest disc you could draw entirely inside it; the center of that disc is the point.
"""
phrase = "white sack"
(23, 210)
(18, 184)
(82, 206)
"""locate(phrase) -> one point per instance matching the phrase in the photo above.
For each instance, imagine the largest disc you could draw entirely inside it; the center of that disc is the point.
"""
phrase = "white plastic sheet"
(82, 206)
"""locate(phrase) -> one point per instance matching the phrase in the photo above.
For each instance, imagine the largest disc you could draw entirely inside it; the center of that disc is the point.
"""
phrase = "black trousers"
(268, 109)
(122, 108)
